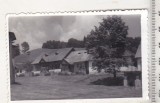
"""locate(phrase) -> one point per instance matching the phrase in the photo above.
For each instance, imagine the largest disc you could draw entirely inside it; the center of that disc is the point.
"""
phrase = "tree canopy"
(72, 42)
(25, 47)
(108, 41)
(52, 44)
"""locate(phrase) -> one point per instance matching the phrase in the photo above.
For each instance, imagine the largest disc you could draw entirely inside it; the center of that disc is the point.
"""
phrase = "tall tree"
(109, 42)
(25, 47)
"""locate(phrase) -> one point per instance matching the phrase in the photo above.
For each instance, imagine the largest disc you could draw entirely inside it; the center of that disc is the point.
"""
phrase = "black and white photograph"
(59, 57)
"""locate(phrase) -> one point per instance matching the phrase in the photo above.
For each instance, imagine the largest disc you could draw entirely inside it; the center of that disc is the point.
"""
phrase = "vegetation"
(52, 44)
(108, 42)
(25, 47)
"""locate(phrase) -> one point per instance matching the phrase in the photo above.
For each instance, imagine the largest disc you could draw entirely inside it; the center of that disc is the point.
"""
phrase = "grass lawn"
(67, 87)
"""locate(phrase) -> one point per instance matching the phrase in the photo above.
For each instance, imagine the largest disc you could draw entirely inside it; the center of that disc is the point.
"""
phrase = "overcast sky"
(38, 29)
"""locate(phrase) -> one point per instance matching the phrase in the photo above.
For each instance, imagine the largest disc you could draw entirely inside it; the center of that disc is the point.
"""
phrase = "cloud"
(38, 29)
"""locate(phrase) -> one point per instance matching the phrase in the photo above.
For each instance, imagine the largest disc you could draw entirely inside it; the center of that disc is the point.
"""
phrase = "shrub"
(109, 81)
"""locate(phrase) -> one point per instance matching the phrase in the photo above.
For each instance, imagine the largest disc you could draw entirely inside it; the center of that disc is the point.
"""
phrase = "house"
(77, 62)
(51, 60)
(138, 58)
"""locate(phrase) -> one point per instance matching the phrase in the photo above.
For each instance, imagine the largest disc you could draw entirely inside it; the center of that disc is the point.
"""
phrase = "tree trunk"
(114, 73)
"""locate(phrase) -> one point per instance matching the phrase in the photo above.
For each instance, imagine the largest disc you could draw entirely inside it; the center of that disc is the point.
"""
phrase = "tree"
(75, 43)
(132, 43)
(109, 42)
(16, 50)
(25, 47)
(54, 44)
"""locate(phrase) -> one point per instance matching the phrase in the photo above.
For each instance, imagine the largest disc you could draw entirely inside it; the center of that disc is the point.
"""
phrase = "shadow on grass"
(109, 81)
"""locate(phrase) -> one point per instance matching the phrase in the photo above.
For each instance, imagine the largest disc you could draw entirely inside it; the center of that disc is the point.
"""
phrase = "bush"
(109, 81)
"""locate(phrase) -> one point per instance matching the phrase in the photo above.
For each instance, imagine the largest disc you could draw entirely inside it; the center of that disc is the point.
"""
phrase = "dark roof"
(18, 65)
(54, 55)
(78, 56)
(40, 57)
(138, 53)
(24, 58)
(58, 55)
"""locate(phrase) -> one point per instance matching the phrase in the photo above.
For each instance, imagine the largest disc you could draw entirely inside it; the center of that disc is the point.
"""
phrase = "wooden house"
(77, 62)
(51, 60)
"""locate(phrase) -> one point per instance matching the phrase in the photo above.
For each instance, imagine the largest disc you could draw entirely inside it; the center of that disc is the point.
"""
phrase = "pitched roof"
(40, 57)
(54, 55)
(78, 56)
(138, 53)
(24, 58)
(58, 55)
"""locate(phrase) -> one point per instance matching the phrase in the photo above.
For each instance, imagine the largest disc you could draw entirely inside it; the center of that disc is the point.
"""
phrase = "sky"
(38, 29)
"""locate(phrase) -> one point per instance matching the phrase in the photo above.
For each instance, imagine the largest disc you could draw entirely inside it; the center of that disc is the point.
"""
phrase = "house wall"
(139, 64)
(90, 66)
(91, 70)
(80, 67)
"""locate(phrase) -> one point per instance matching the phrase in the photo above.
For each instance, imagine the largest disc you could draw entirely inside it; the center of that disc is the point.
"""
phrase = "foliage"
(132, 43)
(109, 42)
(15, 51)
(74, 43)
(54, 44)
(25, 47)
